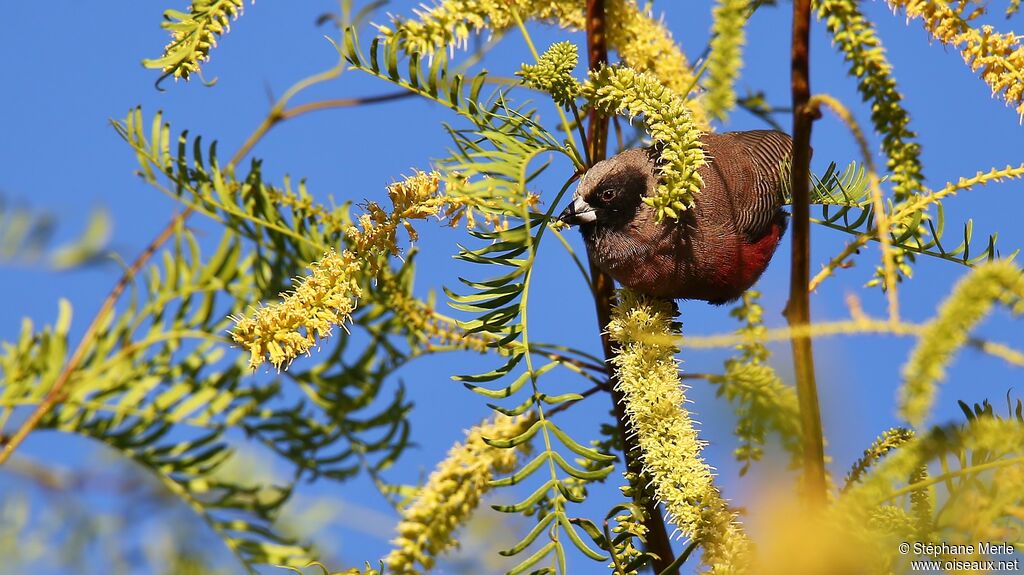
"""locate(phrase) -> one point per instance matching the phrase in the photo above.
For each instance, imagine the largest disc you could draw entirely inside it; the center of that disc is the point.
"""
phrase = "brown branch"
(55, 393)
(658, 542)
(798, 310)
(344, 103)
(607, 387)
(279, 114)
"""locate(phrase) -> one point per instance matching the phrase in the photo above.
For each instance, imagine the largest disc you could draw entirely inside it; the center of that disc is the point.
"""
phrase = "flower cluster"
(553, 73)
(863, 49)
(648, 377)
(642, 41)
(194, 34)
(450, 22)
(724, 59)
(290, 328)
(762, 401)
(999, 56)
(376, 236)
(883, 444)
(645, 44)
(617, 90)
(452, 492)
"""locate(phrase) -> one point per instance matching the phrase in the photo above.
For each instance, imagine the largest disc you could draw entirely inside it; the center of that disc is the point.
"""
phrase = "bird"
(718, 248)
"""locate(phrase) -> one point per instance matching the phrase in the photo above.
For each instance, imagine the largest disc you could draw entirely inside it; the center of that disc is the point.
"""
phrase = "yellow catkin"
(617, 90)
(325, 298)
(999, 56)
(553, 73)
(883, 444)
(283, 331)
(763, 402)
(725, 59)
(643, 42)
(648, 377)
(862, 49)
(970, 302)
(452, 493)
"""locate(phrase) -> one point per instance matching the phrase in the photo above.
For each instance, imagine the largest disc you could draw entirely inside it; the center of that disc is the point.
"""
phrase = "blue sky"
(74, 66)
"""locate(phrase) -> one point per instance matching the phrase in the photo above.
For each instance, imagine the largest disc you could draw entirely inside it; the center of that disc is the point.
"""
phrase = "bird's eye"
(607, 194)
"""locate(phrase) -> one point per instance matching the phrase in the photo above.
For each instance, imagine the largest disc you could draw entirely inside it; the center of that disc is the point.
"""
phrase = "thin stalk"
(970, 470)
(798, 310)
(658, 542)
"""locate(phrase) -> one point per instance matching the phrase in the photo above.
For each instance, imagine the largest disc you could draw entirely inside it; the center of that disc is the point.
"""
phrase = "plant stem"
(658, 542)
(55, 392)
(798, 310)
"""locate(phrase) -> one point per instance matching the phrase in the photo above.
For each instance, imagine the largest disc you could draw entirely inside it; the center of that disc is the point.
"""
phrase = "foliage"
(27, 237)
(154, 379)
(970, 301)
(762, 401)
(856, 37)
(999, 56)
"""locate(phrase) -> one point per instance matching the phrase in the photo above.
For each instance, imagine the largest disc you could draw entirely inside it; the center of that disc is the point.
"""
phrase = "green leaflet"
(492, 163)
(846, 207)
(26, 237)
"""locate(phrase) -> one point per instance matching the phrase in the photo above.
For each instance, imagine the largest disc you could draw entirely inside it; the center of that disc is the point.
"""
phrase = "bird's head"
(609, 193)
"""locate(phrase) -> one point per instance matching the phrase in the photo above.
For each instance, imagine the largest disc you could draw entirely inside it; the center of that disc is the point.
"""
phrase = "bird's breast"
(685, 262)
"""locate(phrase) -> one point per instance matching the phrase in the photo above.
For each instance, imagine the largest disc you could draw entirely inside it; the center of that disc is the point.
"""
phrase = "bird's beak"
(578, 212)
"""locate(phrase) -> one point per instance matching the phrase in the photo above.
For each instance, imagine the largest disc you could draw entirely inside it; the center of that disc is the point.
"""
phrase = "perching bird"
(718, 248)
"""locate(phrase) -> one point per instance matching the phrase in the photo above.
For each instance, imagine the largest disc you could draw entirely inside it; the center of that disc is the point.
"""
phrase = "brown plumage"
(717, 249)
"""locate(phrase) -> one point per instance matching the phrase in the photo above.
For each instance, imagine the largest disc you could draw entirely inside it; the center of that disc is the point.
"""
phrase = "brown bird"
(718, 248)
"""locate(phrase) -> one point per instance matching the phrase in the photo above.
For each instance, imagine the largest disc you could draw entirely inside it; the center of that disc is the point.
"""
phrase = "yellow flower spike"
(725, 59)
(648, 377)
(862, 48)
(553, 73)
(999, 56)
(286, 330)
(616, 90)
(972, 299)
(327, 297)
(643, 42)
(452, 492)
